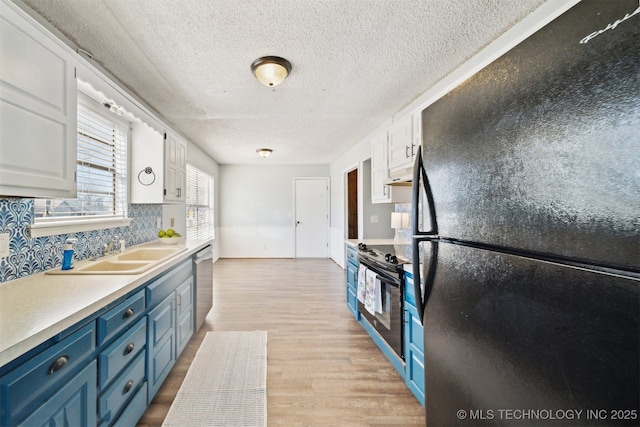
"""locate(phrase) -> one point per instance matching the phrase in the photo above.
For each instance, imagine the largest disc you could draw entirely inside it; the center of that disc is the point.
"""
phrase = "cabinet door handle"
(406, 151)
(128, 313)
(127, 387)
(60, 363)
(412, 147)
(129, 348)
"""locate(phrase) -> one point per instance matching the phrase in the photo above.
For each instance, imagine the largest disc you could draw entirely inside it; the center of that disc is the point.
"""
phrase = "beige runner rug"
(226, 383)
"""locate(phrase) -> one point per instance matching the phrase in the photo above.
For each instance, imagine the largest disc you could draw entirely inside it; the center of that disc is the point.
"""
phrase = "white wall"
(257, 207)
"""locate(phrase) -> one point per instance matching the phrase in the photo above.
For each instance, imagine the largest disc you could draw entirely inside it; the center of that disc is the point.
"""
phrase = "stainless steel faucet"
(108, 247)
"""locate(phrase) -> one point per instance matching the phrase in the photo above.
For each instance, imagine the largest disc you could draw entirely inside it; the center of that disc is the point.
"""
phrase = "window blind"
(200, 213)
(101, 168)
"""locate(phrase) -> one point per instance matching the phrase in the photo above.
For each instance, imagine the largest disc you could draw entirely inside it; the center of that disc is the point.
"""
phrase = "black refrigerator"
(526, 225)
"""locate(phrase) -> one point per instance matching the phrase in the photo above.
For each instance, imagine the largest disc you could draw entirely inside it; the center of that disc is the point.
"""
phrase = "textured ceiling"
(356, 63)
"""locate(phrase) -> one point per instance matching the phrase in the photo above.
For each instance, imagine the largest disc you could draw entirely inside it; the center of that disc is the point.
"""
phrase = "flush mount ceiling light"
(271, 70)
(264, 152)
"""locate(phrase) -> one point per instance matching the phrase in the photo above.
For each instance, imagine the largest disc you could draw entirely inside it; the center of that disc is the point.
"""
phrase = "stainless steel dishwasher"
(203, 265)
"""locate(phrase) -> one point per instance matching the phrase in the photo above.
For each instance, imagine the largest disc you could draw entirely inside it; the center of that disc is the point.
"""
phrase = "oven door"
(388, 322)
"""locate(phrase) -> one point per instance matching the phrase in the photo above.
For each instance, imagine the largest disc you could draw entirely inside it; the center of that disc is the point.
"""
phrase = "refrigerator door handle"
(419, 173)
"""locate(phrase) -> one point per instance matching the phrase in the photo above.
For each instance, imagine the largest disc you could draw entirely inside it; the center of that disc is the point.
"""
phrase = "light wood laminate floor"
(323, 369)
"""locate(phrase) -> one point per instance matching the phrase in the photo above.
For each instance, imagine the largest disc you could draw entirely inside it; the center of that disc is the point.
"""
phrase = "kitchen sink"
(114, 266)
(148, 254)
(134, 261)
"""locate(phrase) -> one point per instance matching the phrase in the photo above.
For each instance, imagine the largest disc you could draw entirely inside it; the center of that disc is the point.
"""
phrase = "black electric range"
(382, 256)
(387, 320)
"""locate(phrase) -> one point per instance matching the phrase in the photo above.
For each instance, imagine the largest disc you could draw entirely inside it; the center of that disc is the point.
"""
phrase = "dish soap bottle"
(67, 254)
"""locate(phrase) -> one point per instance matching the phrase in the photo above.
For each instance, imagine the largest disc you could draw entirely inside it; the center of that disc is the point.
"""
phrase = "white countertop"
(36, 308)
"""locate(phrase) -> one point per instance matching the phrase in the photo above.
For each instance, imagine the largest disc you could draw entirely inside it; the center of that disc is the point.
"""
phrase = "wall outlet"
(159, 222)
(4, 245)
(173, 222)
(374, 219)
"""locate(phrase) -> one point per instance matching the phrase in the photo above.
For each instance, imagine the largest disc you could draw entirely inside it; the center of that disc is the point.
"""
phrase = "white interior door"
(312, 217)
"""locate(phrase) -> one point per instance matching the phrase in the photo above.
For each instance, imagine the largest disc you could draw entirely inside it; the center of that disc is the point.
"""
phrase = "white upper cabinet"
(147, 164)
(379, 169)
(175, 168)
(38, 105)
(381, 193)
(402, 147)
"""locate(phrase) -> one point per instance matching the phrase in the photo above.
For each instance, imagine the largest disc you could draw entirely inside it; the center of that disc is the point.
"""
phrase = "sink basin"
(113, 266)
(134, 261)
(148, 254)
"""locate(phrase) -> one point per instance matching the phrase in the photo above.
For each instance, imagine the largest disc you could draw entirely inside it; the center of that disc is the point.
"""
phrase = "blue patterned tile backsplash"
(29, 256)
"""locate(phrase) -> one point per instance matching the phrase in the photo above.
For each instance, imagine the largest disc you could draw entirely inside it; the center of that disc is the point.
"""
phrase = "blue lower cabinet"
(413, 343)
(352, 281)
(105, 370)
(35, 380)
(414, 353)
(74, 404)
(184, 310)
(161, 343)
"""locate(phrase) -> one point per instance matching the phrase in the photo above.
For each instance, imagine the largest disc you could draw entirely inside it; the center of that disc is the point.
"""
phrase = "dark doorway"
(352, 204)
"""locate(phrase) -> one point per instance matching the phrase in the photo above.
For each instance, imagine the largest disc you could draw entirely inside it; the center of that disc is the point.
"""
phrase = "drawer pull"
(60, 363)
(128, 313)
(129, 349)
(127, 387)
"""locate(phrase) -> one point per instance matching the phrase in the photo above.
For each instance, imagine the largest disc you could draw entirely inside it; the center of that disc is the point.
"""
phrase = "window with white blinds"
(200, 216)
(101, 176)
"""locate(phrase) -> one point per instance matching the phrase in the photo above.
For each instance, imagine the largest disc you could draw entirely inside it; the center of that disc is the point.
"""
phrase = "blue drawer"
(36, 379)
(116, 319)
(121, 352)
(352, 255)
(352, 275)
(162, 287)
(123, 389)
(134, 409)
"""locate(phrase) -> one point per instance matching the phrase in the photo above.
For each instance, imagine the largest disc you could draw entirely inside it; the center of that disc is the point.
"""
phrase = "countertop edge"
(12, 347)
(354, 242)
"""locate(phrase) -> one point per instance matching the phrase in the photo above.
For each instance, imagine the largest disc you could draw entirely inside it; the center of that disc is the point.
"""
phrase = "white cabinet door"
(147, 167)
(417, 133)
(401, 146)
(379, 170)
(175, 164)
(38, 105)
